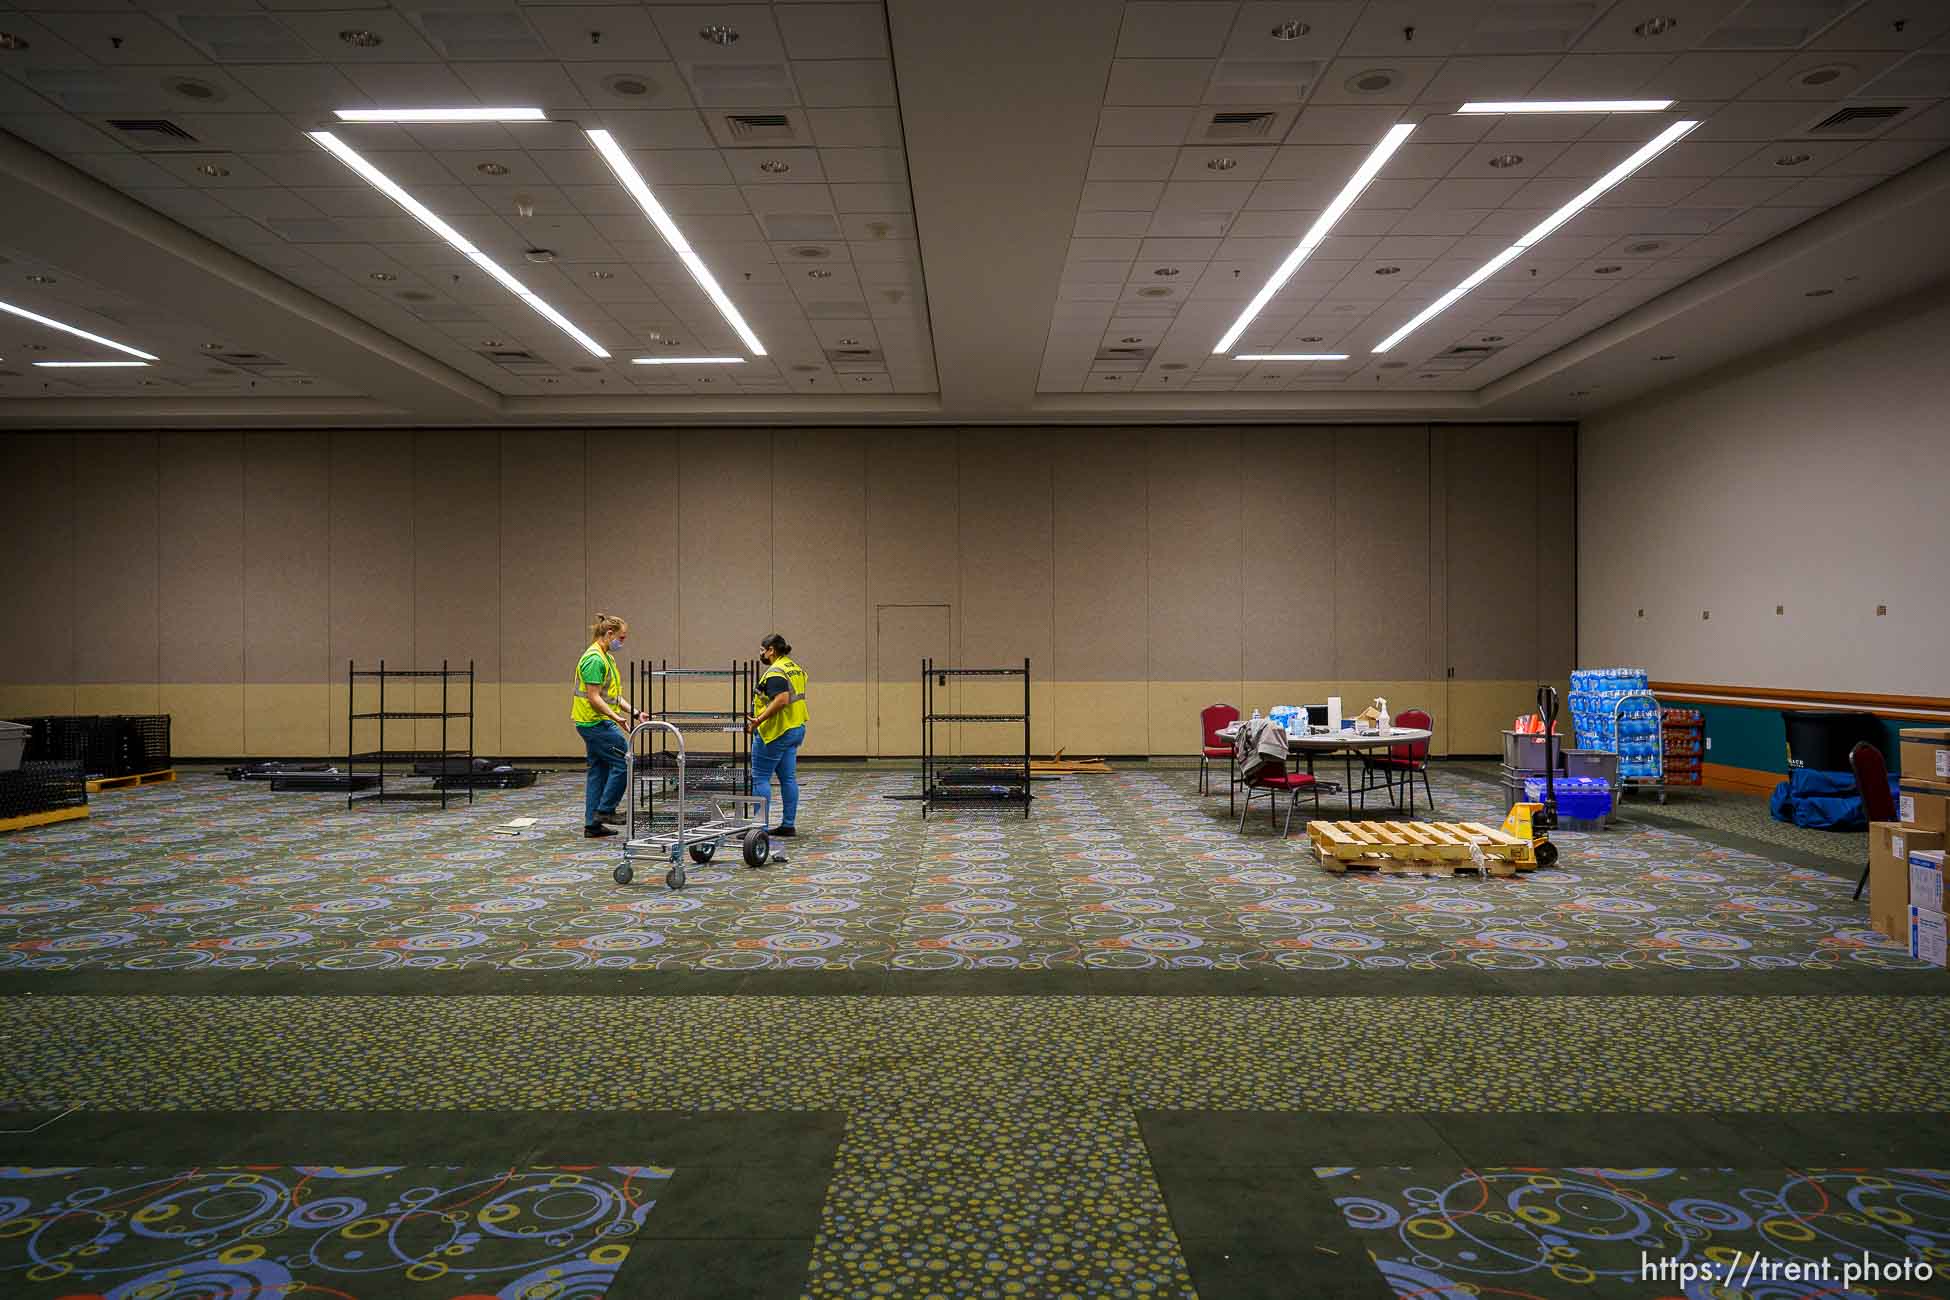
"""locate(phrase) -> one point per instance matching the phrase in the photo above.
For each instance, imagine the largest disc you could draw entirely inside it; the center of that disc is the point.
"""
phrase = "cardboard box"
(1925, 757)
(1927, 936)
(1890, 844)
(1926, 879)
(1923, 808)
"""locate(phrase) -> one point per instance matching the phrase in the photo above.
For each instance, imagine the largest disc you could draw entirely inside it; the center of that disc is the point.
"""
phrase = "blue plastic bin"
(1580, 798)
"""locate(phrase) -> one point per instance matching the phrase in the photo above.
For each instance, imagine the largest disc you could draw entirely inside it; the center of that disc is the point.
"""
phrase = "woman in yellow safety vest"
(778, 726)
(602, 717)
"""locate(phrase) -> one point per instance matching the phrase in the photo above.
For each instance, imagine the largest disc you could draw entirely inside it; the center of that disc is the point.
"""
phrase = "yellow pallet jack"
(1536, 821)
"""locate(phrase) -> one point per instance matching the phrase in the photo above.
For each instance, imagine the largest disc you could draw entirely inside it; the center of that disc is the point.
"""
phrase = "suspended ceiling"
(971, 210)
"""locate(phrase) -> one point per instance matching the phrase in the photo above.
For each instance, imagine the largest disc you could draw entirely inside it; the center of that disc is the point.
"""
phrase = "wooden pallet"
(97, 784)
(48, 818)
(1420, 848)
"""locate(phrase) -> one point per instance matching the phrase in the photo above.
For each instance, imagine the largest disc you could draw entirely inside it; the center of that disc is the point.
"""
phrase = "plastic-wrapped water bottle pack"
(1632, 733)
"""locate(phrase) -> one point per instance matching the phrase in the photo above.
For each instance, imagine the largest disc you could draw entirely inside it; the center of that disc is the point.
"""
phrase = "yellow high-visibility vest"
(793, 714)
(584, 713)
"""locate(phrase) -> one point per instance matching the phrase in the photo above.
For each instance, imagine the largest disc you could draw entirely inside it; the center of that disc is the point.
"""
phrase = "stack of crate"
(1684, 737)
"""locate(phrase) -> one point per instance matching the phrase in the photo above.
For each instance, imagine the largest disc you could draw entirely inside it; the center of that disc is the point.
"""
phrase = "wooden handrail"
(1926, 707)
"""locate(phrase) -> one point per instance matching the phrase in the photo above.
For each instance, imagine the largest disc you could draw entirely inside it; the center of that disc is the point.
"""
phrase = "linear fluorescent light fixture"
(1646, 153)
(89, 365)
(1568, 106)
(421, 213)
(1291, 356)
(53, 324)
(1319, 231)
(687, 361)
(410, 116)
(631, 180)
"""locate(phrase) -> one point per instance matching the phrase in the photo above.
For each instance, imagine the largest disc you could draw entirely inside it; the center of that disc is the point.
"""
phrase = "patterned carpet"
(1132, 871)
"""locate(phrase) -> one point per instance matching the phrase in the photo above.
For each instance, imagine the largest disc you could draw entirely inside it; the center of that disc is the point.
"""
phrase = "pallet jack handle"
(1546, 818)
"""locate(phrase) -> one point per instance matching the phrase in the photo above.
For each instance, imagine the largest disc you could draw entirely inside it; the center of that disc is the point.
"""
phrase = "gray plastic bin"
(13, 743)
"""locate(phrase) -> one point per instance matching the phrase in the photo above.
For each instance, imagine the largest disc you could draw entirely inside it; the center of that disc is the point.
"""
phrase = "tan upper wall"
(1816, 481)
(1140, 570)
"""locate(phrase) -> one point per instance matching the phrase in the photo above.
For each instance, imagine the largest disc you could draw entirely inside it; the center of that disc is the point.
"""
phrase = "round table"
(1348, 743)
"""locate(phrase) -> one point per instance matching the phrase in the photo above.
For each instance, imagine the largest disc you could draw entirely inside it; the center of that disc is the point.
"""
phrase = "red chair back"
(1213, 718)
(1872, 781)
(1415, 750)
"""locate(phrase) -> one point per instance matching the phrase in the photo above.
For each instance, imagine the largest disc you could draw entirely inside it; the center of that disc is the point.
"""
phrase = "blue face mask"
(616, 645)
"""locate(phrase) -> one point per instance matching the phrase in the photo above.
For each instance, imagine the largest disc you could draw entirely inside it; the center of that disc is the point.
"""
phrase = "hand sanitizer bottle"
(1384, 722)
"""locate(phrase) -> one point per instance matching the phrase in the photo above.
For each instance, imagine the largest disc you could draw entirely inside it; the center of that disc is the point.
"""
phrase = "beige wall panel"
(38, 469)
(18, 701)
(456, 519)
(1174, 709)
(1481, 711)
(117, 697)
(372, 548)
(534, 721)
(1102, 484)
(725, 548)
(904, 635)
(544, 505)
(427, 698)
(1492, 551)
(1006, 514)
(819, 550)
(837, 720)
(1285, 491)
(205, 720)
(1194, 536)
(287, 564)
(200, 557)
(293, 720)
(912, 528)
(630, 539)
(116, 618)
(1557, 551)
(1098, 717)
(1381, 567)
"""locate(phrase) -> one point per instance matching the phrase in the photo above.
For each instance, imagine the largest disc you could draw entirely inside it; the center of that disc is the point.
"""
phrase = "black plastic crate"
(115, 744)
(519, 778)
(42, 787)
(50, 738)
(145, 742)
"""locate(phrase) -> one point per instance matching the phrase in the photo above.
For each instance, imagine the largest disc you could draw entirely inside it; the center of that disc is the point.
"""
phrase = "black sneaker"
(611, 819)
(596, 832)
(782, 832)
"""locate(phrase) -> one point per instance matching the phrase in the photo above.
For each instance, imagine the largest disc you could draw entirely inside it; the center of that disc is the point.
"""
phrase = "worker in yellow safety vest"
(602, 717)
(778, 727)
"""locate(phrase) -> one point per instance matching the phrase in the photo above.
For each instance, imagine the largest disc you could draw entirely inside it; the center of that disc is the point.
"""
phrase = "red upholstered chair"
(1275, 781)
(1404, 760)
(1212, 719)
(1872, 783)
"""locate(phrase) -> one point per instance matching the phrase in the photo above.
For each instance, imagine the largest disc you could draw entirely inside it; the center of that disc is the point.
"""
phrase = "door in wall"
(903, 636)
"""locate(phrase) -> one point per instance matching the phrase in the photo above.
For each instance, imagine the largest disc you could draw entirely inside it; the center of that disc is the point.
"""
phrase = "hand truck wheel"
(674, 877)
(624, 873)
(1546, 854)
(758, 847)
(703, 853)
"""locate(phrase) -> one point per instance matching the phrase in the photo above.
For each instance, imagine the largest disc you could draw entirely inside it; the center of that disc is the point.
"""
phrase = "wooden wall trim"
(1718, 776)
(1928, 708)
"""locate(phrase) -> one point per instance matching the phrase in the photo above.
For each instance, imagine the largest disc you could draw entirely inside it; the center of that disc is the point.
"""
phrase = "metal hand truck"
(736, 819)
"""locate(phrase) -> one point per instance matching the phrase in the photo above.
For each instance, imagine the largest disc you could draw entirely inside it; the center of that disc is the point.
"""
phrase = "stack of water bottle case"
(1614, 711)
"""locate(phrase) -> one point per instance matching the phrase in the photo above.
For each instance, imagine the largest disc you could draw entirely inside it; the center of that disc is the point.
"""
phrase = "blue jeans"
(781, 756)
(609, 769)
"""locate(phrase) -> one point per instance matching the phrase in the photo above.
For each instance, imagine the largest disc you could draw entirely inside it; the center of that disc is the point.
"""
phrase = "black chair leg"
(1425, 787)
(1860, 883)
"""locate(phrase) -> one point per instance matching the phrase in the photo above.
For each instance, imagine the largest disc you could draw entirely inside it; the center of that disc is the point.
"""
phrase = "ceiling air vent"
(518, 361)
(760, 128)
(1123, 354)
(1859, 119)
(1473, 351)
(1240, 126)
(153, 132)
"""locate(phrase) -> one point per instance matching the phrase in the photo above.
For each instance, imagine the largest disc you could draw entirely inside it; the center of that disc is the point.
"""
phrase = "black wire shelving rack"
(658, 688)
(368, 686)
(961, 780)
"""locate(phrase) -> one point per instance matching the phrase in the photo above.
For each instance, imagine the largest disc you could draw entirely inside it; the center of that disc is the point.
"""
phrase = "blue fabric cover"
(1823, 801)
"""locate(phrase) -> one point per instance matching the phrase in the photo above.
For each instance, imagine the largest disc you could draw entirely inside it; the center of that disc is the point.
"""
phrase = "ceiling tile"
(1135, 127)
(834, 31)
(1119, 164)
(1158, 81)
(1375, 81)
(1154, 30)
(855, 128)
(1509, 76)
(846, 83)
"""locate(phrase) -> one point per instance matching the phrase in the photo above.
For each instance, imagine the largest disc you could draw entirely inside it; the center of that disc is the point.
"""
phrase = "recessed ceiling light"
(1817, 293)
(818, 273)
(459, 242)
(1371, 82)
(719, 34)
(213, 347)
(413, 115)
(539, 256)
(1646, 246)
(490, 343)
(1581, 392)
(1291, 30)
(212, 170)
(775, 166)
(849, 343)
(191, 88)
(361, 39)
(1173, 365)
(1221, 164)
(89, 365)
(9, 41)
(696, 361)
(863, 379)
(1131, 338)
(626, 172)
(1606, 270)
(1154, 291)
(602, 275)
(1667, 356)
(1322, 225)
(1543, 229)
(1567, 106)
(1492, 338)
(1792, 159)
(40, 279)
(624, 84)
(384, 276)
(491, 168)
(811, 250)
(1654, 27)
(1291, 356)
(1821, 76)
(1313, 338)
(1166, 271)
(51, 323)
(1506, 160)
(1388, 270)
(35, 347)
